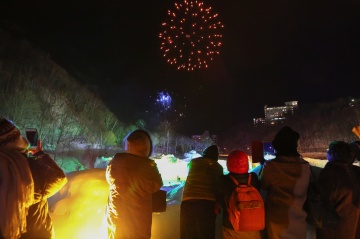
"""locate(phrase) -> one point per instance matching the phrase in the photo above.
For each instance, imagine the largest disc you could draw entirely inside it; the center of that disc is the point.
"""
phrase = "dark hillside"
(37, 92)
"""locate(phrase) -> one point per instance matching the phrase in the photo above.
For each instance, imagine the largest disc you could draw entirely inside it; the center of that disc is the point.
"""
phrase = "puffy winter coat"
(286, 179)
(339, 184)
(16, 193)
(132, 181)
(202, 180)
(48, 178)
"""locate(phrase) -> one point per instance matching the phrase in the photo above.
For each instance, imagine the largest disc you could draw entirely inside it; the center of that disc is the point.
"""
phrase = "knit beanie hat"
(237, 162)
(286, 142)
(211, 152)
(139, 138)
(8, 128)
(340, 151)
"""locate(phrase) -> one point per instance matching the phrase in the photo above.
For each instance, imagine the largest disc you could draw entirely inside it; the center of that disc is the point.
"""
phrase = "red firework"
(192, 35)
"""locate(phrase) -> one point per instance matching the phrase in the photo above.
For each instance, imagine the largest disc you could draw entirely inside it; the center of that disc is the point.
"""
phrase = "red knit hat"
(237, 162)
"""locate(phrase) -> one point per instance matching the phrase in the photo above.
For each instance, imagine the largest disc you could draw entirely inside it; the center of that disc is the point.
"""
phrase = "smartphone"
(262, 151)
(32, 137)
(269, 151)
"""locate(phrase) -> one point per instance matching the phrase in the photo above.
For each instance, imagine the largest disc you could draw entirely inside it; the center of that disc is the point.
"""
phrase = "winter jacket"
(202, 179)
(48, 178)
(16, 193)
(339, 184)
(286, 179)
(132, 181)
(356, 170)
(225, 189)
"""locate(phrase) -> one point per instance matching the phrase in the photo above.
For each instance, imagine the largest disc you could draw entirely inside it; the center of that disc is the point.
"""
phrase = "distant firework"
(191, 37)
(164, 99)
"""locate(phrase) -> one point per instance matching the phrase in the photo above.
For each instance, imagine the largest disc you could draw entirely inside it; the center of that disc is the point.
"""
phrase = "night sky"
(272, 52)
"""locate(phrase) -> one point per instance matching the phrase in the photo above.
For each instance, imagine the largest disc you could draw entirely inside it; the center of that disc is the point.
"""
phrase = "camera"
(262, 151)
(32, 137)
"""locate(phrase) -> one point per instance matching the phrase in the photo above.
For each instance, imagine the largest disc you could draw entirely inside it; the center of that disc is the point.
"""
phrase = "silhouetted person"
(16, 193)
(286, 178)
(48, 179)
(356, 152)
(338, 184)
(238, 166)
(133, 178)
(197, 212)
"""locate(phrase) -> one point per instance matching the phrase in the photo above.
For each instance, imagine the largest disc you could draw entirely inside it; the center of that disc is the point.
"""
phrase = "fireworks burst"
(191, 37)
(164, 99)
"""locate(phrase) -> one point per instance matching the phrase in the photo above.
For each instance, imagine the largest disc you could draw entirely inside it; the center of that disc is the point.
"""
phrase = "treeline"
(36, 92)
(318, 125)
(323, 123)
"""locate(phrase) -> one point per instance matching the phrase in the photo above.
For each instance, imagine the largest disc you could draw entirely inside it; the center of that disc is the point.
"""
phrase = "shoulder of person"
(199, 160)
(254, 175)
(41, 156)
(152, 162)
(38, 154)
(302, 160)
(269, 163)
(117, 159)
(119, 155)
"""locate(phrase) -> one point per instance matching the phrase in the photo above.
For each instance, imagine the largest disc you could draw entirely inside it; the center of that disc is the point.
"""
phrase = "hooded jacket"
(338, 184)
(286, 179)
(132, 181)
(16, 193)
(48, 178)
(202, 180)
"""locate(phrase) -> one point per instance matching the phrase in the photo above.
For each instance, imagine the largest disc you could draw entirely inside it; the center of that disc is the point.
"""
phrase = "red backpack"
(246, 207)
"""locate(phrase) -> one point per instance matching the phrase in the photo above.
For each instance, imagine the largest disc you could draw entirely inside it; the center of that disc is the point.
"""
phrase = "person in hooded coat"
(197, 210)
(47, 176)
(133, 177)
(16, 193)
(238, 166)
(286, 179)
(338, 183)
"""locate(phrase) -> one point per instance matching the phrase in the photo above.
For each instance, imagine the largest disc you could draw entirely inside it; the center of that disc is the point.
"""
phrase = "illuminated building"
(354, 102)
(205, 138)
(276, 114)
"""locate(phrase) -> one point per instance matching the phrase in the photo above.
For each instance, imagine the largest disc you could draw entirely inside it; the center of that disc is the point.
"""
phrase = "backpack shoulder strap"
(249, 179)
(237, 183)
(234, 179)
